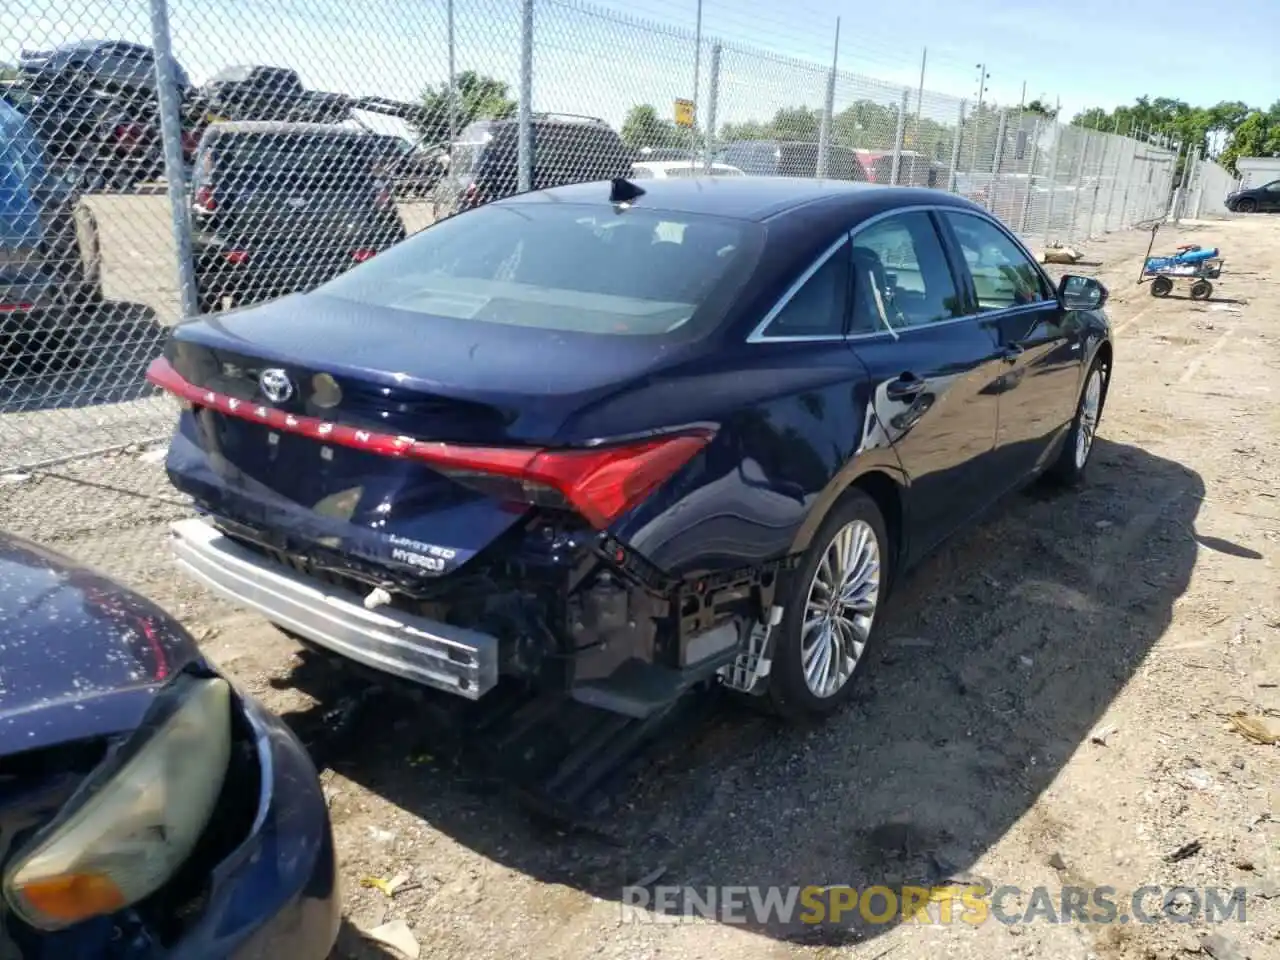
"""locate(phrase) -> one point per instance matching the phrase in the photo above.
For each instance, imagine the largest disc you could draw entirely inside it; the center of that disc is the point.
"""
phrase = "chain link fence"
(163, 158)
(1207, 188)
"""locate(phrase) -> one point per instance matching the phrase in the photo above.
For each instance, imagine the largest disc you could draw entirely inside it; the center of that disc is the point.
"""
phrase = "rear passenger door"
(1040, 343)
(933, 365)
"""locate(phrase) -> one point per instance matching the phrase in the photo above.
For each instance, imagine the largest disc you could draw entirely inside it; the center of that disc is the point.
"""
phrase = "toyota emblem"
(275, 385)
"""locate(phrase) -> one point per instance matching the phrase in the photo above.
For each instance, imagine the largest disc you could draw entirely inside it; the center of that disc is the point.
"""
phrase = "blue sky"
(1086, 52)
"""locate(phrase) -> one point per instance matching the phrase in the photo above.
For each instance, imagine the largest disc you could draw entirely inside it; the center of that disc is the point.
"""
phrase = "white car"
(662, 169)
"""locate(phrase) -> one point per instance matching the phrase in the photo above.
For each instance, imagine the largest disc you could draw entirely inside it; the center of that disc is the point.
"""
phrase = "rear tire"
(1201, 290)
(836, 593)
(1073, 459)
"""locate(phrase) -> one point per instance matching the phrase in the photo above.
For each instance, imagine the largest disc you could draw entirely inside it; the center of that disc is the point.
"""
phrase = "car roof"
(678, 164)
(284, 127)
(744, 198)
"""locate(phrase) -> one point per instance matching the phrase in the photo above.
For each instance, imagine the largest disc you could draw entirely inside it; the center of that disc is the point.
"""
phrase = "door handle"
(907, 385)
(1011, 353)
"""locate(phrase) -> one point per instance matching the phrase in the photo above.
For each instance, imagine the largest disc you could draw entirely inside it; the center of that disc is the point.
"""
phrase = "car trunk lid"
(411, 441)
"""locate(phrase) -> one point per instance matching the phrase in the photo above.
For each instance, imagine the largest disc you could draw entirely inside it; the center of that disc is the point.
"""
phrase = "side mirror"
(1081, 293)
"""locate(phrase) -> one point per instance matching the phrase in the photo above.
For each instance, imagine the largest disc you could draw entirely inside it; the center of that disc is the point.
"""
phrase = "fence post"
(1059, 134)
(955, 148)
(1115, 186)
(898, 136)
(1031, 172)
(525, 147)
(997, 161)
(828, 110)
(1082, 163)
(1128, 181)
(713, 102)
(175, 173)
(1097, 183)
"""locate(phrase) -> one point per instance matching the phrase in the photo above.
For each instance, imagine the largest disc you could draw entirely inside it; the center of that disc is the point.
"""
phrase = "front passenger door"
(1040, 342)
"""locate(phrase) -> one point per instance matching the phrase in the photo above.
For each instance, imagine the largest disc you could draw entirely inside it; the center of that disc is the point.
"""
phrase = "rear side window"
(274, 158)
(570, 267)
(1003, 276)
(817, 307)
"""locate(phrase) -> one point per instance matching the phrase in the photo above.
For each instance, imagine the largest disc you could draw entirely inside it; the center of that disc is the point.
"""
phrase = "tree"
(1257, 135)
(644, 128)
(476, 97)
(1042, 108)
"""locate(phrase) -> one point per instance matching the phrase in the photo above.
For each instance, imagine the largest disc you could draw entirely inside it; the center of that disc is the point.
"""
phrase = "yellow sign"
(684, 113)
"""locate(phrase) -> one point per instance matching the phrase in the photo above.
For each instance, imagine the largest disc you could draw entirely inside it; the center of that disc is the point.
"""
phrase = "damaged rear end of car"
(428, 466)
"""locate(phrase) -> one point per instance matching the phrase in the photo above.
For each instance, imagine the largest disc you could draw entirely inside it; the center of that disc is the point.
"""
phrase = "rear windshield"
(308, 156)
(568, 267)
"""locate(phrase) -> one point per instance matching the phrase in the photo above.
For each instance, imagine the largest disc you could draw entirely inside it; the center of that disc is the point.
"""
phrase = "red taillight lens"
(204, 199)
(16, 307)
(363, 254)
(236, 257)
(600, 484)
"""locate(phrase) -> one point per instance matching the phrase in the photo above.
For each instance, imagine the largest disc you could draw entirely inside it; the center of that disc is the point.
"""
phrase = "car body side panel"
(792, 430)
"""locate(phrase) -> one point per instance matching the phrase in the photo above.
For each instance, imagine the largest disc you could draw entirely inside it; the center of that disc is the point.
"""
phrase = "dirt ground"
(1052, 705)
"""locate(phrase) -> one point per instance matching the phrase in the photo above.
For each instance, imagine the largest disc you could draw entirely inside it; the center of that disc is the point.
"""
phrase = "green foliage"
(864, 124)
(1041, 108)
(1229, 129)
(476, 97)
(644, 127)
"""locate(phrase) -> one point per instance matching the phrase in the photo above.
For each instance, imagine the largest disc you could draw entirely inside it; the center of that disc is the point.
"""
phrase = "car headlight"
(128, 829)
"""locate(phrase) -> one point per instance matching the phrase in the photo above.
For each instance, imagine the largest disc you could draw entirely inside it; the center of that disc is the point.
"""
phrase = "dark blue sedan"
(618, 442)
(147, 808)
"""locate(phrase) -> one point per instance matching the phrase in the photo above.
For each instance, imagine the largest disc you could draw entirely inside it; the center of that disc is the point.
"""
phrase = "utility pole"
(924, 58)
(697, 70)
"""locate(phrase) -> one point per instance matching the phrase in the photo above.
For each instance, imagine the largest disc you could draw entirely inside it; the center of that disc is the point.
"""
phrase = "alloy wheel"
(1090, 406)
(840, 609)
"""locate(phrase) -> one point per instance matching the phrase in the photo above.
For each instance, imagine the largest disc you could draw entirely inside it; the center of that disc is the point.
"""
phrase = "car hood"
(80, 656)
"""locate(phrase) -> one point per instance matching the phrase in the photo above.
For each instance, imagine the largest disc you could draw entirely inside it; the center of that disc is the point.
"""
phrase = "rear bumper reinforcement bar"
(454, 659)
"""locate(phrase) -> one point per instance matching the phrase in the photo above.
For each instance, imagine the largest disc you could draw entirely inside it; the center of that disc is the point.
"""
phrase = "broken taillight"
(600, 483)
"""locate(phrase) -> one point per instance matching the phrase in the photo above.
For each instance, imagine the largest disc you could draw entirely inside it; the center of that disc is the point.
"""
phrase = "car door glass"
(1273, 187)
(816, 309)
(900, 276)
(1003, 276)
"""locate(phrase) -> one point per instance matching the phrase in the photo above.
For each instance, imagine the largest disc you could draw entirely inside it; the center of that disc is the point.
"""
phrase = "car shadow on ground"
(89, 355)
(998, 658)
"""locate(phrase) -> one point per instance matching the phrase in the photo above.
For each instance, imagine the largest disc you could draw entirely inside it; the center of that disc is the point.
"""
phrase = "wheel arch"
(878, 475)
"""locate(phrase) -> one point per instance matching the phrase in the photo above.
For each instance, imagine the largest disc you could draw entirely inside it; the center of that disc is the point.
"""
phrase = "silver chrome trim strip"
(454, 659)
(757, 335)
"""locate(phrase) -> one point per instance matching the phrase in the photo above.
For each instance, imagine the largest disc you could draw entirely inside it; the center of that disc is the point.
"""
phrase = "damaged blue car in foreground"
(147, 808)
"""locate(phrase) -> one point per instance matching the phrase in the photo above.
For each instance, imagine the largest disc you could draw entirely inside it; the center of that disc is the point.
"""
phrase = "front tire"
(830, 614)
(1073, 459)
(1247, 205)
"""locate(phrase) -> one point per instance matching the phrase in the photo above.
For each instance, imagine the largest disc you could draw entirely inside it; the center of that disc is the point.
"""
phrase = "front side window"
(1003, 276)
(901, 276)
(570, 267)
(1273, 186)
